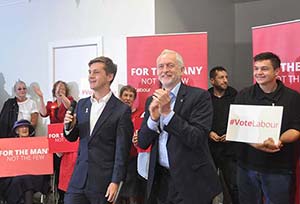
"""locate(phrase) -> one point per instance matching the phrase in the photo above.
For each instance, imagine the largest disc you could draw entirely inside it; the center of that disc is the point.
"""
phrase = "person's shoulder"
(194, 89)
(195, 93)
(291, 94)
(11, 100)
(232, 91)
(244, 95)
(246, 90)
(84, 100)
(118, 102)
(291, 91)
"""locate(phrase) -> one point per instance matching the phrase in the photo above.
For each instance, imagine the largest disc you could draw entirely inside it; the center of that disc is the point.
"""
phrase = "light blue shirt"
(163, 158)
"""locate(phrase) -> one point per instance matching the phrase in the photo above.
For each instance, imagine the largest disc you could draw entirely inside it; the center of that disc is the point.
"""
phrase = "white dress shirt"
(96, 109)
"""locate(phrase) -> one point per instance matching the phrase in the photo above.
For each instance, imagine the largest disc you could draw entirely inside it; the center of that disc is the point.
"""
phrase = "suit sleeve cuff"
(153, 125)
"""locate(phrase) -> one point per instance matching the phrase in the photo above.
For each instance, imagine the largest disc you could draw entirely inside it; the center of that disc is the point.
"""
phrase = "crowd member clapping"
(55, 109)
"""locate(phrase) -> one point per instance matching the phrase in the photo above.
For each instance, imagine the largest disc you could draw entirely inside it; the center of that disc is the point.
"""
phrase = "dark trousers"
(165, 189)
(228, 169)
(254, 187)
(85, 198)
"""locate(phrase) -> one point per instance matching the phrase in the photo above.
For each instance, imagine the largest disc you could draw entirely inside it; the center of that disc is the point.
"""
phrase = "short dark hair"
(128, 88)
(56, 84)
(275, 60)
(109, 68)
(214, 70)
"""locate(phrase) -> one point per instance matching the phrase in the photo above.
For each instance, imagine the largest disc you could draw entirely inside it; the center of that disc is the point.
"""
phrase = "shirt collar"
(274, 96)
(175, 90)
(103, 99)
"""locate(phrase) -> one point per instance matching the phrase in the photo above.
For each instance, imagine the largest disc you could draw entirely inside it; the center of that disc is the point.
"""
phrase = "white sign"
(253, 123)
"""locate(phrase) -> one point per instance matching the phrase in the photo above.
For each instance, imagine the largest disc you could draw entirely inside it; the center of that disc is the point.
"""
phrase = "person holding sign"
(103, 124)
(20, 189)
(266, 171)
(56, 110)
(177, 123)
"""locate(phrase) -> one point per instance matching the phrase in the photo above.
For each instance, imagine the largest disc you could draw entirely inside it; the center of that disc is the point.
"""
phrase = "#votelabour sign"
(254, 124)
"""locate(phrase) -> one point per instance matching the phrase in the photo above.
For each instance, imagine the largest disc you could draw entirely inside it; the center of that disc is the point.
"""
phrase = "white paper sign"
(253, 123)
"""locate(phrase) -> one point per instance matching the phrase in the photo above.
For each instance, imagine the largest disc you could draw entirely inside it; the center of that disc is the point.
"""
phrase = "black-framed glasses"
(19, 89)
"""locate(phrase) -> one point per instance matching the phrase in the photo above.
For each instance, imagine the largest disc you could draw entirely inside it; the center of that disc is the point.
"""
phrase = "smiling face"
(98, 78)
(21, 90)
(128, 97)
(60, 90)
(264, 73)
(169, 71)
(23, 131)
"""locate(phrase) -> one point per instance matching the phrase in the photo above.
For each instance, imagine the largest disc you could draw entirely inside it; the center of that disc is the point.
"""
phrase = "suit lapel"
(87, 112)
(179, 102)
(180, 98)
(107, 111)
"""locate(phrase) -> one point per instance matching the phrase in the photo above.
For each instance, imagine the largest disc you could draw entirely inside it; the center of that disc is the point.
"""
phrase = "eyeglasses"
(19, 89)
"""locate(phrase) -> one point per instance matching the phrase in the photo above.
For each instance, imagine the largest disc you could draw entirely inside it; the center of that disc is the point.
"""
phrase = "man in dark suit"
(103, 124)
(177, 122)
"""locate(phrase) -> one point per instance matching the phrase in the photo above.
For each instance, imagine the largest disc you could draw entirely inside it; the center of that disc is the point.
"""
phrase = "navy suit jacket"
(191, 164)
(103, 154)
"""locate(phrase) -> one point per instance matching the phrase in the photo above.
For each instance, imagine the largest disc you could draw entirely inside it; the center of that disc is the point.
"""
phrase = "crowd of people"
(183, 129)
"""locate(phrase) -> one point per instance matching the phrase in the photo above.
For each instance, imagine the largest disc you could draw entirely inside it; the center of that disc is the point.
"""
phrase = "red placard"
(143, 51)
(25, 156)
(57, 141)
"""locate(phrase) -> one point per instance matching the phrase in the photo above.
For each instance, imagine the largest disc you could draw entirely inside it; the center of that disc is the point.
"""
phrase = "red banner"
(57, 141)
(25, 156)
(143, 51)
(283, 40)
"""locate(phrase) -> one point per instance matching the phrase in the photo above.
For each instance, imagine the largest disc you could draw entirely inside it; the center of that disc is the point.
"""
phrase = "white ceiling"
(12, 2)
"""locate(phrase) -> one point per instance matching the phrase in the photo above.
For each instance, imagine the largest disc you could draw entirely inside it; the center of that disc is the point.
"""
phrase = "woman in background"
(133, 190)
(17, 108)
(56, 109)
(20, 189)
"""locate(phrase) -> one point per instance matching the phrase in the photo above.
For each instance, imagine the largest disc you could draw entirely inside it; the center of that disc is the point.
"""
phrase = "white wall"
(28, 28)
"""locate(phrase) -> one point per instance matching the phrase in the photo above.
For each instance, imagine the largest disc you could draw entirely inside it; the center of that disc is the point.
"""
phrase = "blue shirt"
(163, 158)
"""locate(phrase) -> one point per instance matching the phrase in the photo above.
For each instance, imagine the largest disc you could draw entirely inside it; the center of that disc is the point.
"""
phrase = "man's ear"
(182, 69)
(110, 77)
(277, 71)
